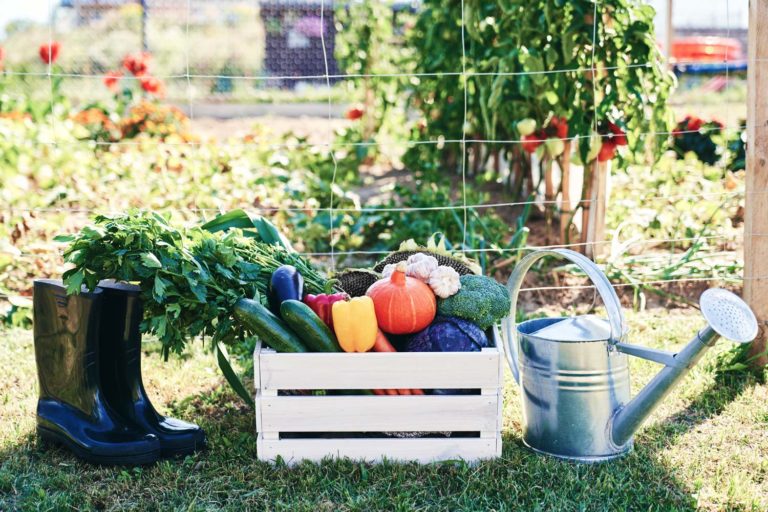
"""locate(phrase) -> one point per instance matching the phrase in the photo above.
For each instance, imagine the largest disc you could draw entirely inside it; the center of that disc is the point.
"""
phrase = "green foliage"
(419, 210)
(480, 299)
(677, 200)
(370, 47)
(699, 137)
(737, 147)
(190, 278)
(17, 312)
(534, 60)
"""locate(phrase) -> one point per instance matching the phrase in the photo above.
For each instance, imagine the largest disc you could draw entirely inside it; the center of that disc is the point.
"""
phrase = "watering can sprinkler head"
(728, 316)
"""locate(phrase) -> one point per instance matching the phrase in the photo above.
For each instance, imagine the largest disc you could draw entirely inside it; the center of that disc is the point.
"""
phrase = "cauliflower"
(444, 281)
(480, 300)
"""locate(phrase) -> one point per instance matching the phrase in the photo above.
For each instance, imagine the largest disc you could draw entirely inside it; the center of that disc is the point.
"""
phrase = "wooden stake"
(670, 36)
(756, 203)
(565, 208)
(549, 196)
(596, 217)
(586, 200)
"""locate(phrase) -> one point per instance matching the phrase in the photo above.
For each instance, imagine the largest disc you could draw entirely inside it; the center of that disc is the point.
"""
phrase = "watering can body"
(571, 389)
(574, 372)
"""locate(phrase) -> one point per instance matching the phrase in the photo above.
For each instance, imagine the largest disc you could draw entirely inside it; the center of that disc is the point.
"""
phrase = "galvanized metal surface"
(570, 392)
(728, 315)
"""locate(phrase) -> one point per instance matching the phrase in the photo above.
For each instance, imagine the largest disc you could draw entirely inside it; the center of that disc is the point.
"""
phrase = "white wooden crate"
(299, 427)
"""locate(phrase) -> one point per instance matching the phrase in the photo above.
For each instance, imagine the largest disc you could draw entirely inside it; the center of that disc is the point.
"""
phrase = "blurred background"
(345, 124)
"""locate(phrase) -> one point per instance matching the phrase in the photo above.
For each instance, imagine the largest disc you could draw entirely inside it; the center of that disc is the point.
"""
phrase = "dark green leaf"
(229, 374)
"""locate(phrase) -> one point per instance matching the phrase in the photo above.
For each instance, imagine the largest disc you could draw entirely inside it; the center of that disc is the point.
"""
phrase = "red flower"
(617, 135)
(2, 57)
(354, 113)
(694, 124)
(607, 150)
(152, 85)
(137, 63)
(533, 141)
(49, 52)
(560, 127)
(112, 78)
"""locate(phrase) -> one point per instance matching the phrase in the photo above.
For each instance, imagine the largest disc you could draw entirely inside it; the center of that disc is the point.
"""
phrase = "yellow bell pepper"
(355, 324)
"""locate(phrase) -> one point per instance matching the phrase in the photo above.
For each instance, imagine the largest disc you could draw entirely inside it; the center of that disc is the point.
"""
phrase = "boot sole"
(54, 438)
(170, 453)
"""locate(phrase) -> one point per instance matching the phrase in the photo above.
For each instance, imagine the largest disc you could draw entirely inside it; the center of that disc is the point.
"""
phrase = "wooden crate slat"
(356, 413)
(427, 370)
(375, 450)
(379, 413)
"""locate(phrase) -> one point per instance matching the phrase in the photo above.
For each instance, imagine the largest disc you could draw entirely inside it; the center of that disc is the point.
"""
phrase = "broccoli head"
(480, 300)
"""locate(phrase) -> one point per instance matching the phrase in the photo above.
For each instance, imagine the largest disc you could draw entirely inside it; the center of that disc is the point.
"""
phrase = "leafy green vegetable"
(190, 278)
(480, 300)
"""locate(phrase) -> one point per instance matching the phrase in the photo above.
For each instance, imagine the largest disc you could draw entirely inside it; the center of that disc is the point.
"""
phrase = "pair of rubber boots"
(92, 399)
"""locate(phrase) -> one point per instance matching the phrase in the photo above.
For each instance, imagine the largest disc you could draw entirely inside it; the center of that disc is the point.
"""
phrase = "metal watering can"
(574, 375)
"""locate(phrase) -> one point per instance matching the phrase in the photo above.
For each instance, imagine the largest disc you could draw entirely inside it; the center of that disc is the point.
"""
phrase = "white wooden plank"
(425, 370)
(259, 444)
(379, 413)
(267, 433)
(257, 385)
(375, 450)
(500, 400)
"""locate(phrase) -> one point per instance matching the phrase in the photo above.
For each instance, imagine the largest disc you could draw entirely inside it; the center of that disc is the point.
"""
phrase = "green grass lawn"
(706, 447)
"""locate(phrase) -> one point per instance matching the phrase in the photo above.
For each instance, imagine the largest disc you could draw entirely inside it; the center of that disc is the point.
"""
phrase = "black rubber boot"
(72, 410)
(121, 345)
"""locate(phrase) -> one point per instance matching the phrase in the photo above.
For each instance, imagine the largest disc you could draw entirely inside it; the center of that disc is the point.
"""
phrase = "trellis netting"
(224, 58)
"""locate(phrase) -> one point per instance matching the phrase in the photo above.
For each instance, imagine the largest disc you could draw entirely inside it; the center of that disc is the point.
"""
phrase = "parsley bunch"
(190, 278)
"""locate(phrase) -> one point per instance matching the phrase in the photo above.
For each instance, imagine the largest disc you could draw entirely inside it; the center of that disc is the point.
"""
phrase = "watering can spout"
(627, 419)
(727, 316)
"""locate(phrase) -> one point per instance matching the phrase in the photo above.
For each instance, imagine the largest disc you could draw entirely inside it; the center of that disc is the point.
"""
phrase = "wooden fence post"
(593, 224)
(756, 202)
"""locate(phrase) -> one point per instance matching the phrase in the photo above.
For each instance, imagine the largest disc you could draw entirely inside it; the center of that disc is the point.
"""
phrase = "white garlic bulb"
(420, 266)
(444, 281)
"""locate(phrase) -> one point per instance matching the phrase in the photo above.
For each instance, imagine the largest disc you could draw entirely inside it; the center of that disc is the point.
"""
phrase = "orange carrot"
(382, 344)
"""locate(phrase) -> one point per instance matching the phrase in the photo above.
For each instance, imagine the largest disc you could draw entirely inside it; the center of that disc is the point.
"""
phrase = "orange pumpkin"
(403, 304)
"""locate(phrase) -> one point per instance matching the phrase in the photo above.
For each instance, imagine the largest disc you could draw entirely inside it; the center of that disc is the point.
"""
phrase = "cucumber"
(267, 326)
(310, 328)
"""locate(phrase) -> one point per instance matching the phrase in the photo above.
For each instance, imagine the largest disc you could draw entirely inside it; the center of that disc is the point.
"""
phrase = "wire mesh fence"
(241, 53)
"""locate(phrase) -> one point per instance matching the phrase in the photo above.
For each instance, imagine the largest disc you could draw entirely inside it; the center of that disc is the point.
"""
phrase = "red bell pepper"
(322, 305)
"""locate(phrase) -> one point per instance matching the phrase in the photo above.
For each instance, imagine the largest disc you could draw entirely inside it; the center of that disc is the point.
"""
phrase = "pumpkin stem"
(398, 276)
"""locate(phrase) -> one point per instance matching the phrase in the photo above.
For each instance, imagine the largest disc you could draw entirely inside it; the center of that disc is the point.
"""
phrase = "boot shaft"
(120, 332)
(66, 344)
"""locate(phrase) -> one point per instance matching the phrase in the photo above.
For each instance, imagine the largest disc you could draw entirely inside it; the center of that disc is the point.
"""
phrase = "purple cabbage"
(449, 334)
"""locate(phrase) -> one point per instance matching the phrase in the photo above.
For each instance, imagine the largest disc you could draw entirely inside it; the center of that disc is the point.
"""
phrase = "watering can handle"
(604, 288)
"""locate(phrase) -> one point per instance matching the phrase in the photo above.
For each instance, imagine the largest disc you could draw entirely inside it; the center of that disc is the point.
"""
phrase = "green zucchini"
(268, 327)
(310, 328)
